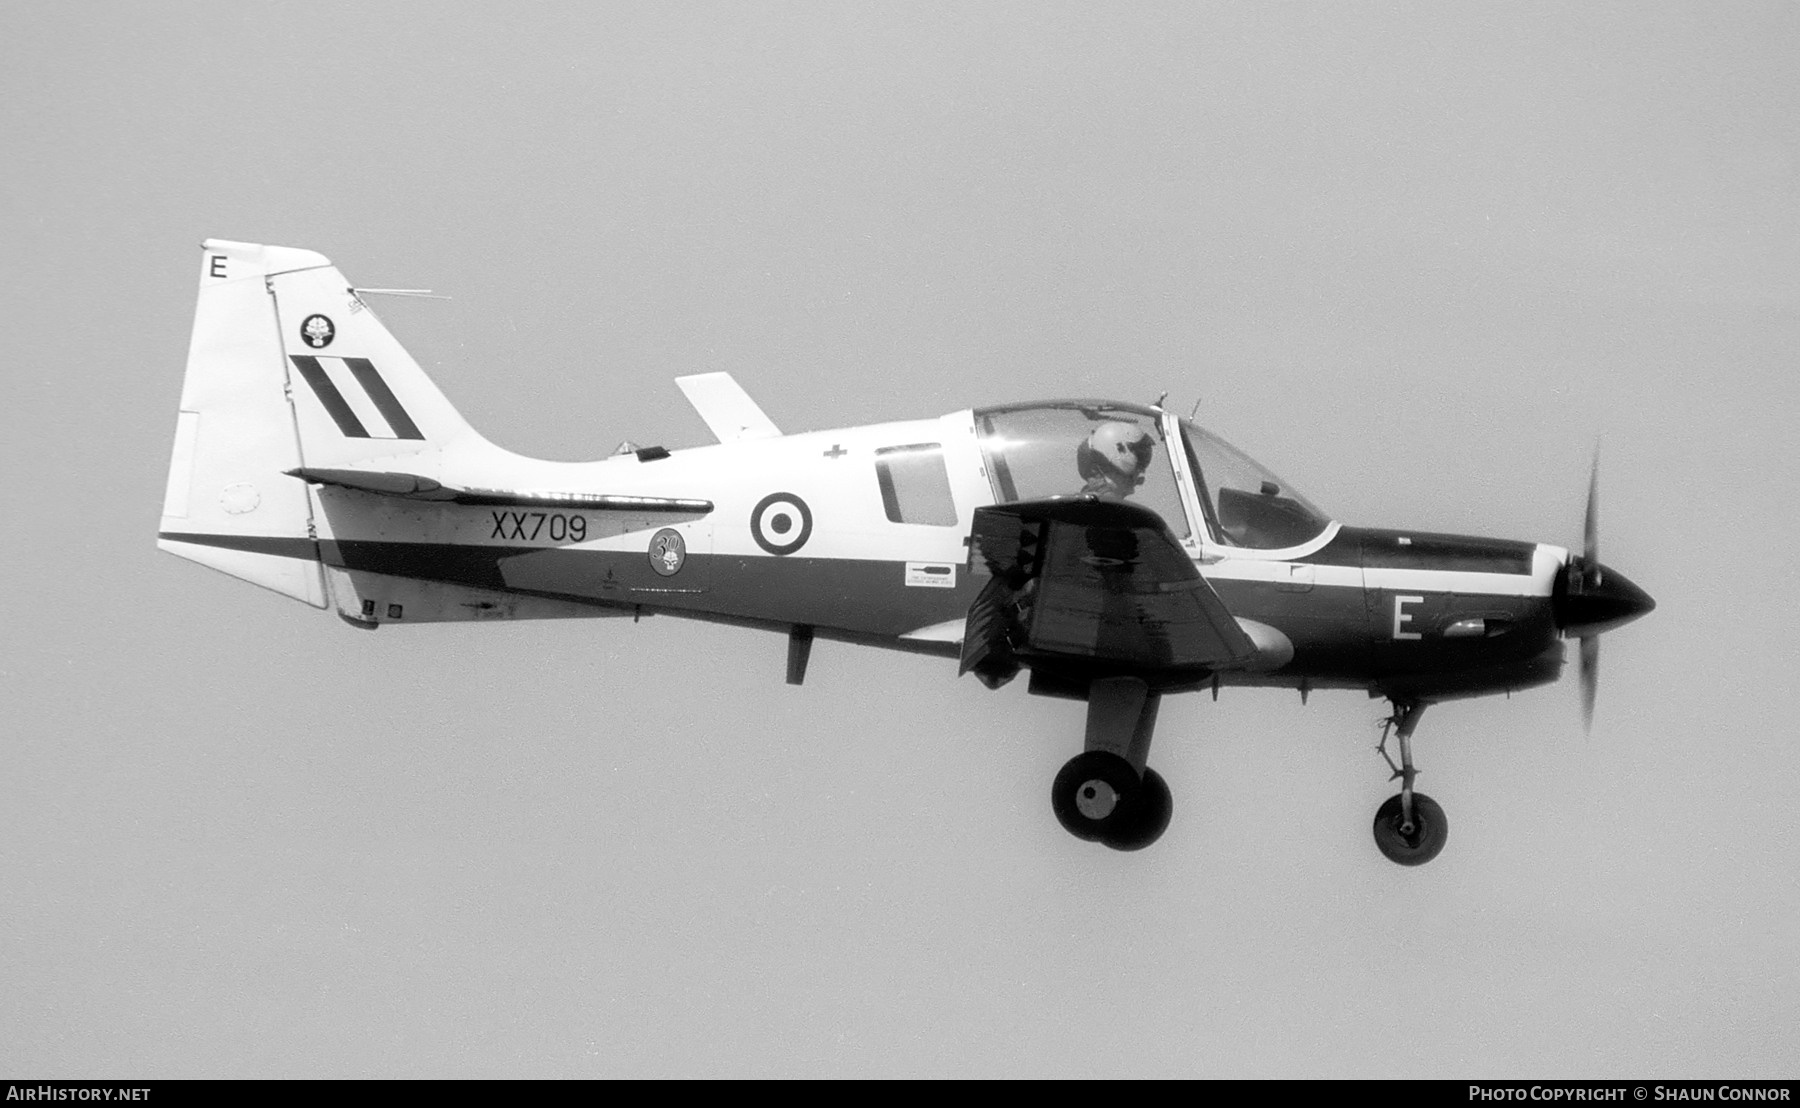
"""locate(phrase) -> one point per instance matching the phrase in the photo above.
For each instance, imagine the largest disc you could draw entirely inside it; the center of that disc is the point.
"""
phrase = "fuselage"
(861, 534)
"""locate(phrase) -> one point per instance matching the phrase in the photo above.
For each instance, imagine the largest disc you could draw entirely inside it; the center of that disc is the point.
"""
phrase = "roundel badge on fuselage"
(781, 523)
(668, 552)
(317, 331)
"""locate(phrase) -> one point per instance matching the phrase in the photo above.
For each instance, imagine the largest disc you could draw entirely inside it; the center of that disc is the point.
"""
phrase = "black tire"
(1426, 839)
(1080, 795)
(1145, 818)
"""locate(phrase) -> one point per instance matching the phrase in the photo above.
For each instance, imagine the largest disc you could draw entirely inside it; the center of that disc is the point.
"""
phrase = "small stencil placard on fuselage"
(930, 575)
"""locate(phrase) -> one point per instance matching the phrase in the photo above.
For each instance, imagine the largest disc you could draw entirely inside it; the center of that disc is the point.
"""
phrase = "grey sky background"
(1417, 258)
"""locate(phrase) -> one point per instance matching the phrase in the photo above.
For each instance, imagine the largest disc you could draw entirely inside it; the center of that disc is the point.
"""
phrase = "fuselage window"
(915, 486)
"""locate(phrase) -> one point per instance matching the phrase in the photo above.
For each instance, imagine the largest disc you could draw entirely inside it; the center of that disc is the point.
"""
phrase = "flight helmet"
(1117, 451)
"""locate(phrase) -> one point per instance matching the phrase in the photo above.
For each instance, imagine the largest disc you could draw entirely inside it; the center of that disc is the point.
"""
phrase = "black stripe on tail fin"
(385, 400)
(371, 393)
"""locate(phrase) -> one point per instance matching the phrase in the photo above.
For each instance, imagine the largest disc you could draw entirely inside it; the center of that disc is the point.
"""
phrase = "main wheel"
(1146, 815)
(1417, 844)
(1093, 793)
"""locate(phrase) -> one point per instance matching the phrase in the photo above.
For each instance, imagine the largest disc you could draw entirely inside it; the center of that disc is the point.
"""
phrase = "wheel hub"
(1096, 799)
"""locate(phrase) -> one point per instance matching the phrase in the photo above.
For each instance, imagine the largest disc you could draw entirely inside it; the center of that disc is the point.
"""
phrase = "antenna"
(422, 294)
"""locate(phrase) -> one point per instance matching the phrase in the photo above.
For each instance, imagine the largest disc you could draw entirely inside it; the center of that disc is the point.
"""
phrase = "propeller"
(1593, 576)
(1591, 599)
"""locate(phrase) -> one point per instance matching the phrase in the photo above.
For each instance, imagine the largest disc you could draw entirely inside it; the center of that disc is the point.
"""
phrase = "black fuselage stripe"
(1375, 548)
(276, 545)
(384, 398)
(329, 396)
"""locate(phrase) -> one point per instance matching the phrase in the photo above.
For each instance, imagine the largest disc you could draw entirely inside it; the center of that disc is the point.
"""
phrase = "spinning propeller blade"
(1590, 557)
(1590, 680)
(1590, 525)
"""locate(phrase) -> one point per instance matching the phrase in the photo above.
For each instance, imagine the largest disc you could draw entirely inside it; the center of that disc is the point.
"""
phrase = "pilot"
(1114, 459)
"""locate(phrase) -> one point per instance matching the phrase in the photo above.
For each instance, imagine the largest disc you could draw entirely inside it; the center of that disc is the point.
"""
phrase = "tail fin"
(357, 393)
(287, 369)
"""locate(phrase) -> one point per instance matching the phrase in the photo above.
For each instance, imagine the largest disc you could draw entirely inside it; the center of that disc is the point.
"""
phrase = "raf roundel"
(781, 523)
(668, 552)
(317, 331)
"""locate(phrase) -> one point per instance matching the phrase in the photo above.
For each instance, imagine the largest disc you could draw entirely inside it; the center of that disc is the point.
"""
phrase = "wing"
(1081, 586)
(411, 486)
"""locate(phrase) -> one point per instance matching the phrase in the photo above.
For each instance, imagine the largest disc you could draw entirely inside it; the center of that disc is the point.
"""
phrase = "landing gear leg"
(1108, 793)
(1410, 828)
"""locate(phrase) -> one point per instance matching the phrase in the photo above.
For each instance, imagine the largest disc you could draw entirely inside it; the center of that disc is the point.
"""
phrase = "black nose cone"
(1591, 598)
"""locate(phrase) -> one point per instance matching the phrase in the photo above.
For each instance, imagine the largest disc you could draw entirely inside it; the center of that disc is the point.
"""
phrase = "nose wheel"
(1415, 841)
(1410, 827)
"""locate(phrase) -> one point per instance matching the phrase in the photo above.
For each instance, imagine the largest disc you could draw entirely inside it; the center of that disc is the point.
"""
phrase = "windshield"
(1244, 504)
(1076, 447)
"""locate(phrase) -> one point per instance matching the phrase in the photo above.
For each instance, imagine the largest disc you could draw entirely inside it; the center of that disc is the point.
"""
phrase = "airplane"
(1116, 552)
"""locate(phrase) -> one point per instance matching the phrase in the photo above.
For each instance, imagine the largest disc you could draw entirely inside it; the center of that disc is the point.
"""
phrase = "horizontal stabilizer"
(411, 486)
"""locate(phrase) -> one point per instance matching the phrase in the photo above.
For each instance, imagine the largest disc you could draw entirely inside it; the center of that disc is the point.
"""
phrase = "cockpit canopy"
(1123, 451)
